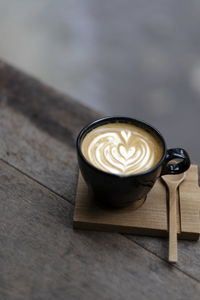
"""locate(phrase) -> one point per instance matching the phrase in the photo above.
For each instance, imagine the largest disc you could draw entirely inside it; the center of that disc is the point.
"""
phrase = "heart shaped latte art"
(126, 153)
(119, 151)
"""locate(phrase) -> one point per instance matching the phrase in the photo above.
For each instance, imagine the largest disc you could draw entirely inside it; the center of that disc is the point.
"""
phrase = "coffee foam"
(122, 148)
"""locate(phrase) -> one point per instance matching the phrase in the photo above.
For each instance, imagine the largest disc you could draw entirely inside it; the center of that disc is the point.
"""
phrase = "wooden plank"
(41, 257)
(188, 252)
(190, 203)
(44, 152)
(151, 218)
(38, 128)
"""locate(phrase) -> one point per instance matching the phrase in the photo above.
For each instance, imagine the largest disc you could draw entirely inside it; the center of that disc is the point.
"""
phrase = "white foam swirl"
(120, 151)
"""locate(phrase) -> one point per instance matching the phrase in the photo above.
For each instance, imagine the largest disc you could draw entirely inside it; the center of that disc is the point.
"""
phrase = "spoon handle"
(172, 226)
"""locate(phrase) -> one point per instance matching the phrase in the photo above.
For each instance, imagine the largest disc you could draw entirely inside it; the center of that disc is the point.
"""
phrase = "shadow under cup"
(118, 190)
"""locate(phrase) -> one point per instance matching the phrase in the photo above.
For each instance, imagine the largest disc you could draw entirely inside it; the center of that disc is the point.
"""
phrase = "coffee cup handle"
(179, 167)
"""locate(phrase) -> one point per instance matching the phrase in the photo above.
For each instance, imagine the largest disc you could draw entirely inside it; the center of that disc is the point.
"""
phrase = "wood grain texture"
(189, 202)
(38, 124)
(42, 257)
(189, 252)
(149, 219)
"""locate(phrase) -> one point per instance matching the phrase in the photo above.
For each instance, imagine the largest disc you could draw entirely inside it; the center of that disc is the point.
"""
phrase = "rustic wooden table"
(41, 256)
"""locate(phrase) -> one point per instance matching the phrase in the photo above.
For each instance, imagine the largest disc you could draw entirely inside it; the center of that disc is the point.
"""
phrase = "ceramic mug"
(118, 190)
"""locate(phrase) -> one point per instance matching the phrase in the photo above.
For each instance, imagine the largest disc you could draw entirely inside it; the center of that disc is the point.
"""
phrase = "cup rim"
(94, 124)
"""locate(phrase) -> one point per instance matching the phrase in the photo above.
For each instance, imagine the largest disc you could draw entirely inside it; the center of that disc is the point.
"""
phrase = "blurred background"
(138, 58)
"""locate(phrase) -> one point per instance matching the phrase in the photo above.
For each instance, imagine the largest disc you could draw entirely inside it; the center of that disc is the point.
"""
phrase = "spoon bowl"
(174, 179)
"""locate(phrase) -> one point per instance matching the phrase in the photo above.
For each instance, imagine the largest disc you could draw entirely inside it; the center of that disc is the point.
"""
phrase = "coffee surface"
(122, 148)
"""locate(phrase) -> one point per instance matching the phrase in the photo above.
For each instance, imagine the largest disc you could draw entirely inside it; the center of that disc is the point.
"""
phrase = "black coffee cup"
(121, 190)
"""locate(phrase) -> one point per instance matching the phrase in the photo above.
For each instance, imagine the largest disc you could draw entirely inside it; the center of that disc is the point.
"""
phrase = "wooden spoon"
(172, 182)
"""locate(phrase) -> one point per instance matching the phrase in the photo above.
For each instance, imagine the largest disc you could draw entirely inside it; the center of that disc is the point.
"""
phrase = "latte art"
(121, 148)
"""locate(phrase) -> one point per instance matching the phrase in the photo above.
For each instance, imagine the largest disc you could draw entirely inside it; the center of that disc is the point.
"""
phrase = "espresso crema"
(122, 148)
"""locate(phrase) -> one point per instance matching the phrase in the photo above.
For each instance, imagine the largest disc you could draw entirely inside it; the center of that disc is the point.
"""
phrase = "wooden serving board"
(151, 218)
